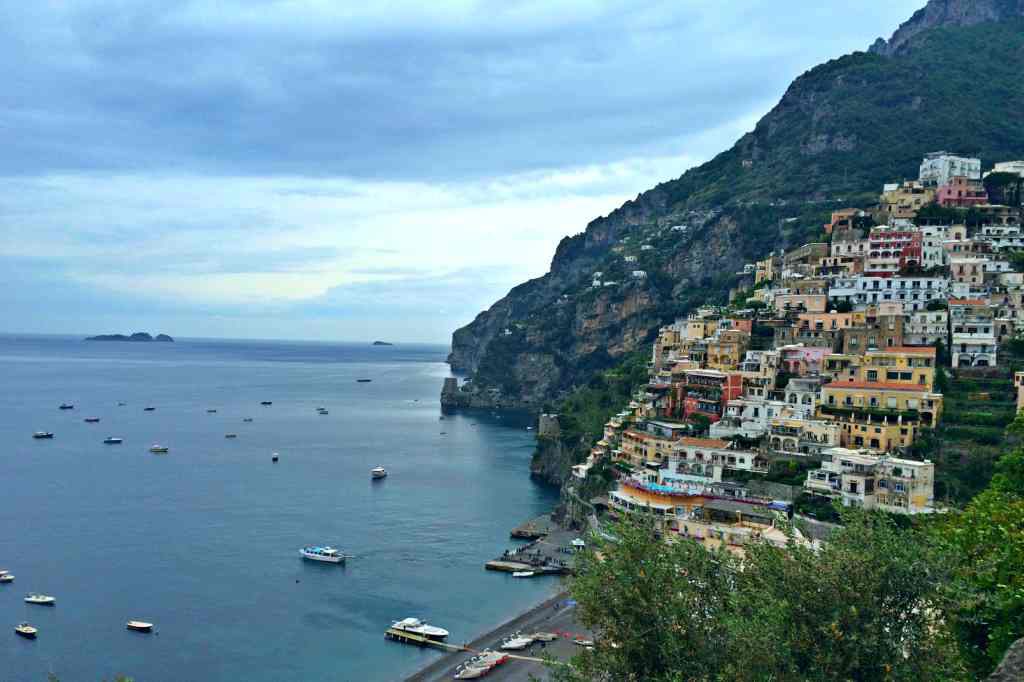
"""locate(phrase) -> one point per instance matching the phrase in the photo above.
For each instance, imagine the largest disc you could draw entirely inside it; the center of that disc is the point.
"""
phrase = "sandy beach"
(552, 615)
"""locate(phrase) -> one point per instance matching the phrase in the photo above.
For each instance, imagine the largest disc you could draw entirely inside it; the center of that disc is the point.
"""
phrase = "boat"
(140, 626)
(544, 636)
(26, 630)
(158, 449)
(211, 411)
(585, 643)
(418, 627)
(516, 642)
(67, 406)
(148, 409)
(274, 457)
(266, 402)
(231, 435)
(121, 403)
(322, 412)
(523, 574)
(7, 578)
(40, 599)
(247, 419)
(480, 665)
(92, 420)
(40, 435)
(378, 472)
(328, 554)
(363, 381)
(112, 440)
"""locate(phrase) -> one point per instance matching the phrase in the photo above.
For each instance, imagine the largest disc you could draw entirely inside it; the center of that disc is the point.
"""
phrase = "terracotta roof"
(704, 442)
(877, 385)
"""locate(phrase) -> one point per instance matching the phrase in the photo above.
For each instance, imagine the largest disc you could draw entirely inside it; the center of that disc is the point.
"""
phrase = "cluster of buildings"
(826, 357)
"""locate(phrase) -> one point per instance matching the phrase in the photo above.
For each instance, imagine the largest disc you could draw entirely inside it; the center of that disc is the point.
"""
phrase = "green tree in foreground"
(866, 606)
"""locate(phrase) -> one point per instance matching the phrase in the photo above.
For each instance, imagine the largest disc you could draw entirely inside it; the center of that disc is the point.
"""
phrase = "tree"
(852, 609)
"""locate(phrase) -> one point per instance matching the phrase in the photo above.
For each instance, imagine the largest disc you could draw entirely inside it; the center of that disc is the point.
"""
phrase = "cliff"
(838, 133)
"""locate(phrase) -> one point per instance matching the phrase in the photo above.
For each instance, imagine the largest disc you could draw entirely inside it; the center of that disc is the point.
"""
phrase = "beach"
(557, 614)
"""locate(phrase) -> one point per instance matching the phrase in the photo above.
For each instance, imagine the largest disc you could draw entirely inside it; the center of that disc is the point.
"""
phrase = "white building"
(1015, 167)
(932, 252)
(747, 417)
(913, 292)
(859, 479)
(938, 168)
(972, 333)
(1001, 237)
(924, 328)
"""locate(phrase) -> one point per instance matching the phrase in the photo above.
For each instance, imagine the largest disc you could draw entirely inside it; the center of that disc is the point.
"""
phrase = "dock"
(419, 640)
(550, 554)
(534, 529)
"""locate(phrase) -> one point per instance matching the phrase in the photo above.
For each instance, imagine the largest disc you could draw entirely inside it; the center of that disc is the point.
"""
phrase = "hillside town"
(832, 356)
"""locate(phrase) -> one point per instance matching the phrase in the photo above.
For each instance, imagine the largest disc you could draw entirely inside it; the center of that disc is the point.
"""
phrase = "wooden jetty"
(419, 640)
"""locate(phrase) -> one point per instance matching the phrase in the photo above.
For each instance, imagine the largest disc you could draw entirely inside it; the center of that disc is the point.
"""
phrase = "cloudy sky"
(326, 169)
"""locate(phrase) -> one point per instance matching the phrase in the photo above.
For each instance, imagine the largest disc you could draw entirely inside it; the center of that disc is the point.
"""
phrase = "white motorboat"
(480, 665)
(139, 626)
(544, 636)
(39, 435)
(112, 440)
(26, 630)
(523, 574)
(7, 578)
(328, 554)
(516, 642)
(378, 472)
(418, 627)
(158, 449)
(40, 599)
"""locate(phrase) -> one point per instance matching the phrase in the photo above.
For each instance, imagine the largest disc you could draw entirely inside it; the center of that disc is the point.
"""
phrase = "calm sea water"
(203, 541)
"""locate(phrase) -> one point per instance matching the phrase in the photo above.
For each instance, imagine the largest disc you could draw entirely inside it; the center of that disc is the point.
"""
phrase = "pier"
(549, 554)
(419, 640)
(534, 529)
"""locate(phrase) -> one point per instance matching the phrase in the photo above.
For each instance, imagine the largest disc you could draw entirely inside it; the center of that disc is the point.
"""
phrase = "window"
(891, 403)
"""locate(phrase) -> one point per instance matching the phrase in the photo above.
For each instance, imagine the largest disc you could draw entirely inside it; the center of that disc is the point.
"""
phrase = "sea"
(203, 541)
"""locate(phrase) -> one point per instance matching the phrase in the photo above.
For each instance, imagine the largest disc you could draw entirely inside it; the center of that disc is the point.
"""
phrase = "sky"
(332, 170)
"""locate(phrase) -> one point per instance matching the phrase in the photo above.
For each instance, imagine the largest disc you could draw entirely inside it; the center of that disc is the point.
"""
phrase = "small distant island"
(137, 336)
(382, 343)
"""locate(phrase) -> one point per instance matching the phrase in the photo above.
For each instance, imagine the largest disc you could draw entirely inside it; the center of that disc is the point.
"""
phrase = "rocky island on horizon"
(382, 343)
(143, 337)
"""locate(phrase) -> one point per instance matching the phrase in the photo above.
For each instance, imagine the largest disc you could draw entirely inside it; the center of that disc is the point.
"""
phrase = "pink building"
(962, 192)
(804, 360)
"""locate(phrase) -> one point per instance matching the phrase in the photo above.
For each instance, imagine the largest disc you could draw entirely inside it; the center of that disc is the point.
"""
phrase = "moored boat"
(148, 409)
(516, 642)
(67, 406)
(231, 435)
(378, 472)
(7, 577)
(247, 419)
(211, 411)
(158, 449)
(317, 553)
(266, 402)
(40, 599)
(523, 574)
(480, 665)
(92, 420)
(26, 630)
(113, 440)
(418, 627)
(40, 435)
(139, 626)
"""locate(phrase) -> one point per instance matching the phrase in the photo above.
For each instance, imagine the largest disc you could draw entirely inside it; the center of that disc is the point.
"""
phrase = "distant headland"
(137, 336)
(382, 343)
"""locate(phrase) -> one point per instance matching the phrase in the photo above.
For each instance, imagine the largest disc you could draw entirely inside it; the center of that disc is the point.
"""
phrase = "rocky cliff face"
(938, 13)
(839, 132)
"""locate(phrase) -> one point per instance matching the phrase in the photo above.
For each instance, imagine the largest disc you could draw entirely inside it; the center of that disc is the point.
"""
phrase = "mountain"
(949, 78)
(139, 337)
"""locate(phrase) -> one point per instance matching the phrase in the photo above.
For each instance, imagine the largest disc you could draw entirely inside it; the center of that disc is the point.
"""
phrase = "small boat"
(516, 642)
(26, 630)
(585, 643)
(40, 435)
(148, 409)
(158, 449)
(544, 636)
(418, 627)
(92, 420)
(363, 381)
(378, 472)
(7, 578)
(67, 406)
(121, 403)
(480, 665)
(247, 419)
(40, 599)
(523, 574)
(231, 435)
(211, 411)
(328, 554)
(322, 412)
(274, 457)
(140, 626)
(113, 440)
(266, 402)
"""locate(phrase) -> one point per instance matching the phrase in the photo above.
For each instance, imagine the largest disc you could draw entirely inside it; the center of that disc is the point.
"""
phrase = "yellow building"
(877, 434)
(904, 365)
(639, 447)
(726, 350)
(859, 397)
(904, 200)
